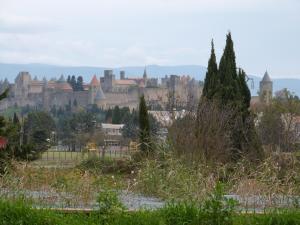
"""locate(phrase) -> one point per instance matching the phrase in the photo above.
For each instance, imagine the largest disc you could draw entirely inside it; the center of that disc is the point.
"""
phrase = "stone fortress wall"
(105, 92)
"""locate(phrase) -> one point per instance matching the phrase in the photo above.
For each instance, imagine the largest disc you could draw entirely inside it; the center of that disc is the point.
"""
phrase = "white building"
(112, 129)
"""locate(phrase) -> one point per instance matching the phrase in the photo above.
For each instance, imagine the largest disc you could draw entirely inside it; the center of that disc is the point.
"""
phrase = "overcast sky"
(114, 33)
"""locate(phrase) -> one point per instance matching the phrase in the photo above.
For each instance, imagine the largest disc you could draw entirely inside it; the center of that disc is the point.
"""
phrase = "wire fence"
(113, 152)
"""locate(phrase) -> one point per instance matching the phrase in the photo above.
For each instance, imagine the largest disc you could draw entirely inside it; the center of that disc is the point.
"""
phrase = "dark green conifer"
(244, 90)
(73, 83)
(229, 91)
(16, 119)
(79, 84)
(212, 81)
(144, 125)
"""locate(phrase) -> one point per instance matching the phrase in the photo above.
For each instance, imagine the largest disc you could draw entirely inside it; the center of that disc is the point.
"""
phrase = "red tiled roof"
(60, 86)
(125, 82)
(95, 81)
(36, 83)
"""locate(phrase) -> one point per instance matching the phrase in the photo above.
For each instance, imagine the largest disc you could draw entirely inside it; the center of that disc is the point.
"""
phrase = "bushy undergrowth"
(82, 185)
(96, 165)
(174, 178)
(213, 212)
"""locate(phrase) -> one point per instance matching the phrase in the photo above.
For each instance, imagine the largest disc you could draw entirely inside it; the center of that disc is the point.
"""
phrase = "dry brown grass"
(73, 186)
(278, 175)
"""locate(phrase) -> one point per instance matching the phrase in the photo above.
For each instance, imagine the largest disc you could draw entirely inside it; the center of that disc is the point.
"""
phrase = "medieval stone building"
(105, 92)
(266, 89)
(265, 93)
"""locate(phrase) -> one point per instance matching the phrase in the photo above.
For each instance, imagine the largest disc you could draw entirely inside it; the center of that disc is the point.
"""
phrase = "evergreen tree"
(15, 119)
(245, 92)
(75, 103)
(69, 79)
(229, 92)
(79, 84)
(144, 125)
(108, 116)
(212, 80)
(230, 89)
(73, 82)
(116, 115)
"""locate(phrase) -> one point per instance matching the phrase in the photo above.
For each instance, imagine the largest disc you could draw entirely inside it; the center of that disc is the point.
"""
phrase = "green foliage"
(106, 166)
(20, 213)
(276, 126)
(144, 126)
(212, 79)
(116, 115)
(217, 208)
(227, 87)
(131, 125)
(4, 94)
(77, 85)
(37, 129)
(109, 203)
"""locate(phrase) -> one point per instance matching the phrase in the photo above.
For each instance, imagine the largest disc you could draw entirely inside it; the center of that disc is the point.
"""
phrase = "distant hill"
(10, 71)
(43, 70)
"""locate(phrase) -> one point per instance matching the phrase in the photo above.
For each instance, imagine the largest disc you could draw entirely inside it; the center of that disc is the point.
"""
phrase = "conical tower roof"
(99, 94)
(95, 82)
(266, 77)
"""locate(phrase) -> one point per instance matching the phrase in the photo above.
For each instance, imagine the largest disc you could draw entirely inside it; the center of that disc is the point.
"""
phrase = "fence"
(113, 152)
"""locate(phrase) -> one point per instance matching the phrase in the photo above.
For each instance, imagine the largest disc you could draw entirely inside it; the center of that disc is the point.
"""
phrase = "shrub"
(109, 202)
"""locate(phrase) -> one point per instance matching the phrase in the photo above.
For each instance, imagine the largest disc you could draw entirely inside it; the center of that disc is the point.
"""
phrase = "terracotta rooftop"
(95, 81)
(37, 83)
(64, 86)
(125, 82)
(60, 86)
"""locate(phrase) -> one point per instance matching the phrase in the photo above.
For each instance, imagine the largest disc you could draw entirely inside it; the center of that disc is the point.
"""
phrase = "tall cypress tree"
(244, 90)
(229, 90)
(73, 83)
(144, 125)
(15, 119)
(212, 81)
(79, 84)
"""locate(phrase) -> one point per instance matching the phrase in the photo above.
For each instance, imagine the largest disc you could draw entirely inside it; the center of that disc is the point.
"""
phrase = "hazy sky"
(113, 33)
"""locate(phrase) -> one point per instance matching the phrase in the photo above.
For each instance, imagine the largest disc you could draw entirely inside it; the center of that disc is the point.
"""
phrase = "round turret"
(266, 89)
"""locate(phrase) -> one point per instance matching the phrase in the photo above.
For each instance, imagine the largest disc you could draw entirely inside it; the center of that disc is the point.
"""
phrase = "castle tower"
(122, 75)
(46, 97)
(108, 80)
(94, 85)
(266, 89)
(22, 83)
(100, 99)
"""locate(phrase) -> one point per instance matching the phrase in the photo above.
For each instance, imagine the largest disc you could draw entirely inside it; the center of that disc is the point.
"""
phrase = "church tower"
(266, 89)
